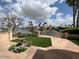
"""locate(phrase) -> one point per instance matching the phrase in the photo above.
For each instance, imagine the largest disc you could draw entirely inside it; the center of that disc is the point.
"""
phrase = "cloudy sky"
(54, 12)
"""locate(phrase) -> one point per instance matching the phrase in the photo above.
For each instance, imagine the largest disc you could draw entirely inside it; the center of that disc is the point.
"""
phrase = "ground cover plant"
(20, 46)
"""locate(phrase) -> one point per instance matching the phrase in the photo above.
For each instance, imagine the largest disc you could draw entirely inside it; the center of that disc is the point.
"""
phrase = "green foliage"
(35, 34)
(72, 30)
(20, 46)
(73, 39)
(75, 5)
(72, 2)
(17, 49)
(22, 35)
(69, 2)
(60, 28)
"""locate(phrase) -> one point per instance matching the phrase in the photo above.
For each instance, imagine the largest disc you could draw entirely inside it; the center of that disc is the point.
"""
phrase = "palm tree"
(75, 5)
(77, 22)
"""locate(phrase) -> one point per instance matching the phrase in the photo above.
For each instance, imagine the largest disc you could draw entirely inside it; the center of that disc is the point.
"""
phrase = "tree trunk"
(77, 22)
(77, 14)
(13, 29)
(74, 13)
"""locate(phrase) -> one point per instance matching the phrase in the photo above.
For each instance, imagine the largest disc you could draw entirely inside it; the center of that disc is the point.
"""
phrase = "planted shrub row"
(72, 30)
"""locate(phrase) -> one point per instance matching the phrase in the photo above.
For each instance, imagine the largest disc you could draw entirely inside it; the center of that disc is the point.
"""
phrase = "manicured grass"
(38, 41)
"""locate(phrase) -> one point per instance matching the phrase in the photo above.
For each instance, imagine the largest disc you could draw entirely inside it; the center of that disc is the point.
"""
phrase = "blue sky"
(54, 12)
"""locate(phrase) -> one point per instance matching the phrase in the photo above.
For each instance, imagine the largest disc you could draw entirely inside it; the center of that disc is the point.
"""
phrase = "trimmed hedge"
(73, 39)
(72, 30)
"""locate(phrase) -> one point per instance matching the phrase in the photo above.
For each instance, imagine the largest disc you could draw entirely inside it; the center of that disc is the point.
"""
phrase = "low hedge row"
(72, 30)
(73, 39)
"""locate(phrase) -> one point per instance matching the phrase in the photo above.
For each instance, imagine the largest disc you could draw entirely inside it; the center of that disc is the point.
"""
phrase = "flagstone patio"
(60, 49)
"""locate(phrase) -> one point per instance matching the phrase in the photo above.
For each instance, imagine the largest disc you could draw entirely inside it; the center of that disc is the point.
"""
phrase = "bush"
(73, 39)
(20, 46)
(20, 35)
(59, 29)
(17, 49)
(72, 30)
(34, 34)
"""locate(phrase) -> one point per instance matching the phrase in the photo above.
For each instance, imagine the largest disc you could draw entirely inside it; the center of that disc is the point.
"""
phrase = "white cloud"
(1, 8)
(59, 15)
(48, 1)
(68, 19)
(61, 1)
(36, 8)
(54, 10)
(2, 11)
(64, 20)
(8, 1)
(42, 1)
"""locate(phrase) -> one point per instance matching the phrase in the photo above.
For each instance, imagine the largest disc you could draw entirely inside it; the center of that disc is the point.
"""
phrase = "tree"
(75, 5)
(30, 26)
(77, 14)
(13, 22)
(42, 27)
(49, 28)
(2, 24)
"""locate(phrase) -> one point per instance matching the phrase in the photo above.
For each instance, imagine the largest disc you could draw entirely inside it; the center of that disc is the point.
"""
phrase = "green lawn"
(38, 41)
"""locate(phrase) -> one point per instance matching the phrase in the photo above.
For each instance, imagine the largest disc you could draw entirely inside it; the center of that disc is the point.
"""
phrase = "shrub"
(20, 46)
(73, 39)
(17, 49)
(72, 30)
(20, 35)
(59, 29)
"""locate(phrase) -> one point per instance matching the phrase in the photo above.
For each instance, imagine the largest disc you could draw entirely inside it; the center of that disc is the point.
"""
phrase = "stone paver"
(61, 49)
(60, 43)
(65, 44)
(55, 54)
